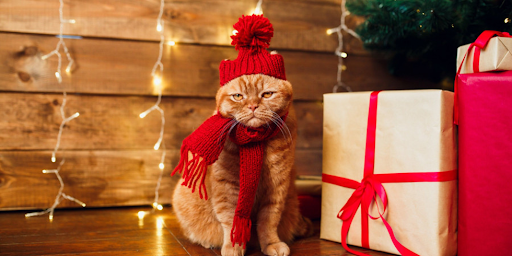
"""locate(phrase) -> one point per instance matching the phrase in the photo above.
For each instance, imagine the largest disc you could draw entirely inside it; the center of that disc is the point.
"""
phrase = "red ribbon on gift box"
(367, 191)
(479, 44)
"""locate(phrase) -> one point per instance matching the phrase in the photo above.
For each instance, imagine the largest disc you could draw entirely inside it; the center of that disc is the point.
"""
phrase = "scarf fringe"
(241, 231)
(192, 171)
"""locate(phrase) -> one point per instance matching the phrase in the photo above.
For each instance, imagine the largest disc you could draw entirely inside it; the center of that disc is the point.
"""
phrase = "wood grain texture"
(308, 162)
(118, 231)
(97, 178)
(31, 122)
(124, 68)
(100, 178)
(299, 25)
(110, 161)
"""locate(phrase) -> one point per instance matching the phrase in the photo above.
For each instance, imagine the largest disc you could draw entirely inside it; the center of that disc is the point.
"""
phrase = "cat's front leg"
(224, 209)
(228, 249)
(225, 194)
(272, 206)
(226, 219)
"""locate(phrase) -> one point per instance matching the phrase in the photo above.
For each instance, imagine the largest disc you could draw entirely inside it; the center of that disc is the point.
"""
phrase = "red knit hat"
(251, 40)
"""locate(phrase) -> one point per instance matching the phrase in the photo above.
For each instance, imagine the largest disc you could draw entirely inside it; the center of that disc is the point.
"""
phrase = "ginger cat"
(254, 101)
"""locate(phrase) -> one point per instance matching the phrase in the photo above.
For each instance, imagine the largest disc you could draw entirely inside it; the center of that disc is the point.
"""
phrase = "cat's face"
(254, 100)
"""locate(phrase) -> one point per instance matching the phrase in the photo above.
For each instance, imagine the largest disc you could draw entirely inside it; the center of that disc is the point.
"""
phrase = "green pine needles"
(427, 33)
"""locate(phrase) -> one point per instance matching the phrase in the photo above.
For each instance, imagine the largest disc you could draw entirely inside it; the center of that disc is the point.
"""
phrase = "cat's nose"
(252, 107)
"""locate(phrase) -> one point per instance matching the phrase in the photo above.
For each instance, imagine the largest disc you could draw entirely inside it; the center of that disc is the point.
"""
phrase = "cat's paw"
(277, 249)
(229, 250)
(207, 245)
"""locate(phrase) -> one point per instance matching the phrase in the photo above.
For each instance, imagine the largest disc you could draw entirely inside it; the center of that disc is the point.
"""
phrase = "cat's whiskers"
(280, 129)
(271, 116)
(281, 124)
(266, 116)
(231, 123)
(244, 118)
(233, 126)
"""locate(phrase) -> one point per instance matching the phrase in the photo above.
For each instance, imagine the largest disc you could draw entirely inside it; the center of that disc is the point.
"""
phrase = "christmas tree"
(424, 34)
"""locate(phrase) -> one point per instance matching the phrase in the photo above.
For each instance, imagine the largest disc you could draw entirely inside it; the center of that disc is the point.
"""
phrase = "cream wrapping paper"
(415, 133)
(497, 55)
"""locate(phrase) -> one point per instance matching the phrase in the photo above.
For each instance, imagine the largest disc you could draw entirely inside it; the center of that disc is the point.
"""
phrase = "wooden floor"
(119, 231)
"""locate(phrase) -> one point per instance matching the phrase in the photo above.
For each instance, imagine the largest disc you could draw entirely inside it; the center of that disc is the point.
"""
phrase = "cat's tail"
(306, 227)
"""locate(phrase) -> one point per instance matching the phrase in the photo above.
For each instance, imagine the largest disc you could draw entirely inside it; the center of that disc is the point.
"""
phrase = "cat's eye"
(237, 96)
(267, 94)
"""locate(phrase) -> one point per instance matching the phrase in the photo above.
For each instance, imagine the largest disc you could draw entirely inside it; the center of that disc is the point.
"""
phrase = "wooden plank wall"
(108, 149)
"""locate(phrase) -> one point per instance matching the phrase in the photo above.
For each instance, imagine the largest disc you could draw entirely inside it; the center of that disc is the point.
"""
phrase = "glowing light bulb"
(53, 159)
(157, 145)
(57, 75)
(159, 207)
(45, 171)
(257, 10)
(343, 54)
(159, 27)
(75, 115)
(161, 166)
(171, 43)
(141, 214)
(157, 80)
(234, 32)
(331, 31)
(71, 21)
(142, 115)
(507, 20)
(51, 217)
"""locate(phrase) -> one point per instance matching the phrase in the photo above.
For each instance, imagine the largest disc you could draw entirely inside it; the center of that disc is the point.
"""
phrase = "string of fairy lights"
(157, 74)
(60, 195)
(157, 81)
(339, 50)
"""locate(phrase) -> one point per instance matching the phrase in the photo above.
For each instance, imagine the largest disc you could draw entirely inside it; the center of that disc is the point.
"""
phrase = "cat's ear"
(219, 95)
(287, 84)
(289, 89)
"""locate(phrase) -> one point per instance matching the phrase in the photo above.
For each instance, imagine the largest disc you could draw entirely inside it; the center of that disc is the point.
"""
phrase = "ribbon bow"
(363, 196)
(479, 44)
(370, 190)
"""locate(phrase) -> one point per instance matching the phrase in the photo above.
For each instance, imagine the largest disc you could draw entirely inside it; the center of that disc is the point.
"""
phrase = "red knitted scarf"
(207, 143)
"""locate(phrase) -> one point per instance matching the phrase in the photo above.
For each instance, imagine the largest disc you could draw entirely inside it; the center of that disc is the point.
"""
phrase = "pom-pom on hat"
(251, 41)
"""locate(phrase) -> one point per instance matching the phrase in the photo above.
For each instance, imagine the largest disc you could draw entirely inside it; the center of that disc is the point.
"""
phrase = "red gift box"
(485, 163)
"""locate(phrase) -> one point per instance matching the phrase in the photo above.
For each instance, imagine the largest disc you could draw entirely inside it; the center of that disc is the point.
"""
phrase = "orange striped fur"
(275, 216)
